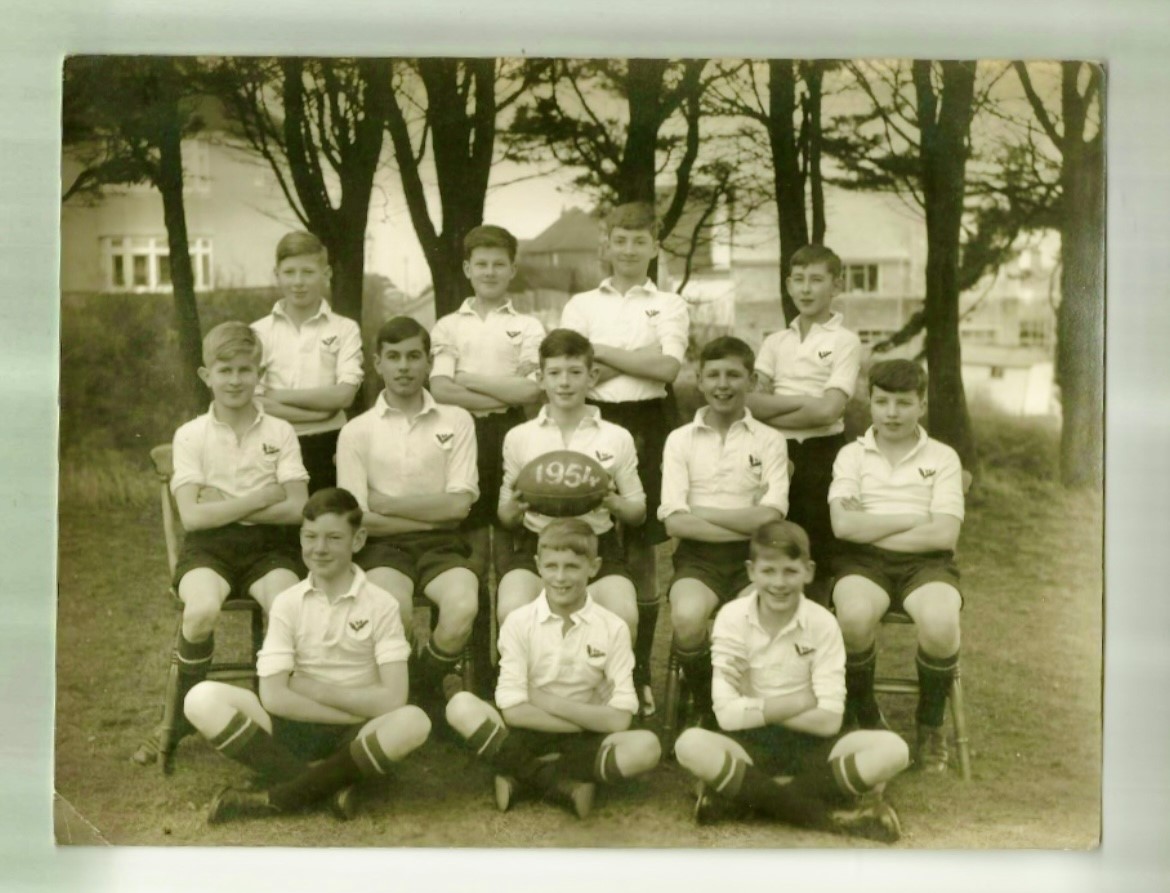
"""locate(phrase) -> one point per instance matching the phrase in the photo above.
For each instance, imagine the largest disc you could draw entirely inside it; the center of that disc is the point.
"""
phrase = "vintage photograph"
(580, 452)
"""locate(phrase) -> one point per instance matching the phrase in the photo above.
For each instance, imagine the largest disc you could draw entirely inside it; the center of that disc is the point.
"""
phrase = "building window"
(996, 372)
(861, 277)
(143, 263)
(1034, 332)
(978, 334)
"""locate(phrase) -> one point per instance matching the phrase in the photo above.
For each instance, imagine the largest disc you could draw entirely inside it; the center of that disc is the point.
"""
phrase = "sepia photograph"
(562, 452)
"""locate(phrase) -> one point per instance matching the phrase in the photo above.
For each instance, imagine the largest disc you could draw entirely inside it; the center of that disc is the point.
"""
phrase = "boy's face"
(565, 575)
(404, 366)
(780, 580)
(567, 380)
(490, 270)
(630, 251)
(328, 544)
(896, 414)
(302, 280)
(725, 383)
(233, 380)
(813, 288)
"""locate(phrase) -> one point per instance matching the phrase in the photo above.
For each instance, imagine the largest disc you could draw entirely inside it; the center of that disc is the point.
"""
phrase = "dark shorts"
(776, 750)
(897, 573)
(240, 553)
(489, 445)
(313, 740)
(721, 567)
(609, 549)
(649, 421)
(317, 452)
(808, 494)
(420, 556)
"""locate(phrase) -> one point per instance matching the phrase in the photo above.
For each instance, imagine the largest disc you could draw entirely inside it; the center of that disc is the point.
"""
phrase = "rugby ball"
(563, 484)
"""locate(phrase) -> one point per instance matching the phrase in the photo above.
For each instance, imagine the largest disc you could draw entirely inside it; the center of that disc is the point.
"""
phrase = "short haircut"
(228, 340)
(808, 255)
(569, 534)
(333, 501)
(401, 328)
(898, 377)
(728, 347)
(780, 538)
(565, 343)
(488, 236)
(299, 243)
(632, 215)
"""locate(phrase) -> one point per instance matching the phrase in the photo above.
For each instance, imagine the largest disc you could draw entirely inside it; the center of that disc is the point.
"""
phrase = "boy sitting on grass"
(566, 687)
(779, 692)
(239, 486)
(333, 683)
(897, 504)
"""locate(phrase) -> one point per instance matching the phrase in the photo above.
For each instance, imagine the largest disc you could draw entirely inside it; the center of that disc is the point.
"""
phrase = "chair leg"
(468, 668)
(257, 644)
(171, 708)
(671, 708)
(959, 717)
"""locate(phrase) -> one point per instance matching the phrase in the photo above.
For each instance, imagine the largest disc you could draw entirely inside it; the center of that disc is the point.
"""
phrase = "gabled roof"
(574, 230)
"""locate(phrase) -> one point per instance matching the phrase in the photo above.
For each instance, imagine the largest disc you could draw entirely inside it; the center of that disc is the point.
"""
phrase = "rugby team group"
(791, 546)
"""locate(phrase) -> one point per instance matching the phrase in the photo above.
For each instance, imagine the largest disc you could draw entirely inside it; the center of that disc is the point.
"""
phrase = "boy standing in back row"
(806, 374)
(639, 337)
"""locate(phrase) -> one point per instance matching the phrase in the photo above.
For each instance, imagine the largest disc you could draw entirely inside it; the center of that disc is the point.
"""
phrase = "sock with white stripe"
(194, 660)
(739, 780)
(935, 675)
(246, 742)
(363, 758)
(487, 740)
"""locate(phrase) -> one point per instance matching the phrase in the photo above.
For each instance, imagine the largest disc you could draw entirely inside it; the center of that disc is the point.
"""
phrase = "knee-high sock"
(244, 741)
(433, 664)
(860, 669)
(644, 641)
(935, 675)
(696, 666)
(741, 781)
(362, 758)
(194, 661)
(584, 760)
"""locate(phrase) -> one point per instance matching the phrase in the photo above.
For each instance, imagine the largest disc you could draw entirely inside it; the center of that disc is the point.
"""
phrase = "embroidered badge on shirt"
(330, 341)
(512, 334)
(444, 437)
(602, 456)
(358, 625)
(270, 450)
(651, 313)
(754, 461)
(594, 652)
(824, 354)
(804, 650)
(927, 473)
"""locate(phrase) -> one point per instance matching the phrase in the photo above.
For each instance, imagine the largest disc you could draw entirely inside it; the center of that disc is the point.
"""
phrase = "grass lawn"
(1032, 579)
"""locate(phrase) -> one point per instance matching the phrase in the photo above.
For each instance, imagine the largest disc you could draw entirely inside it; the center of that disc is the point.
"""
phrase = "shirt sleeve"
(290, 466)
(946, 492)
(278, 655)
(846, 365)
(619, 671)
(766, 361)
(261, 328)
(185, 464)
(574, 317)
(672, 327)
(389, 637)
(462, 468)
(351, 463)
(676, 477)
(625, 470)
(512, 684)
(846, 473)
(349, 354)
(729, 663)
(530, 343)
(828, 669)
(512, 466)
(444, 349)
(775, 475)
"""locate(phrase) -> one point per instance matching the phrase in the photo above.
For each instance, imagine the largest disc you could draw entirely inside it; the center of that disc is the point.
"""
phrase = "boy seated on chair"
(239, 485)
(897, 504)
(779, 691)
(723, 475)
(565, 696)
(410, 462)
(567, 372)
(333, 683)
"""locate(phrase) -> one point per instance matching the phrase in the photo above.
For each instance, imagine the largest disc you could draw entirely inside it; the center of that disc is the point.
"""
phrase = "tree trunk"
(814, 74)
(170, 186)
(643, 95)
(789, 182)
(944, 121)
(1081, 317)
(347, 260)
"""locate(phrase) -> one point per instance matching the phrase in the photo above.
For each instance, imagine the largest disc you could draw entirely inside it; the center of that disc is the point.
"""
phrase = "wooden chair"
(163, 461)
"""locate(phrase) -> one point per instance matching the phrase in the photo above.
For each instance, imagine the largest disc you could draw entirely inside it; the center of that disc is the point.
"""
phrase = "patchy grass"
(1032, 627)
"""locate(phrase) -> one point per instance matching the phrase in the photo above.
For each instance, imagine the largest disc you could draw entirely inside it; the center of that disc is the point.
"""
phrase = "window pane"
(205, 270)
(164, 269)
(141, 271)
(119, 280)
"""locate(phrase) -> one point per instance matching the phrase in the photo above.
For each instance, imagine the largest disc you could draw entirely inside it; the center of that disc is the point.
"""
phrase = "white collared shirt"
(610, 445)
(828, 357)
(207, 452)
(500, 343)
(642, 317)
(326, 349)
(750, 665)
(340, 642)
(591, 663)
(431, 453)
(747, 468)
(928, 480)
